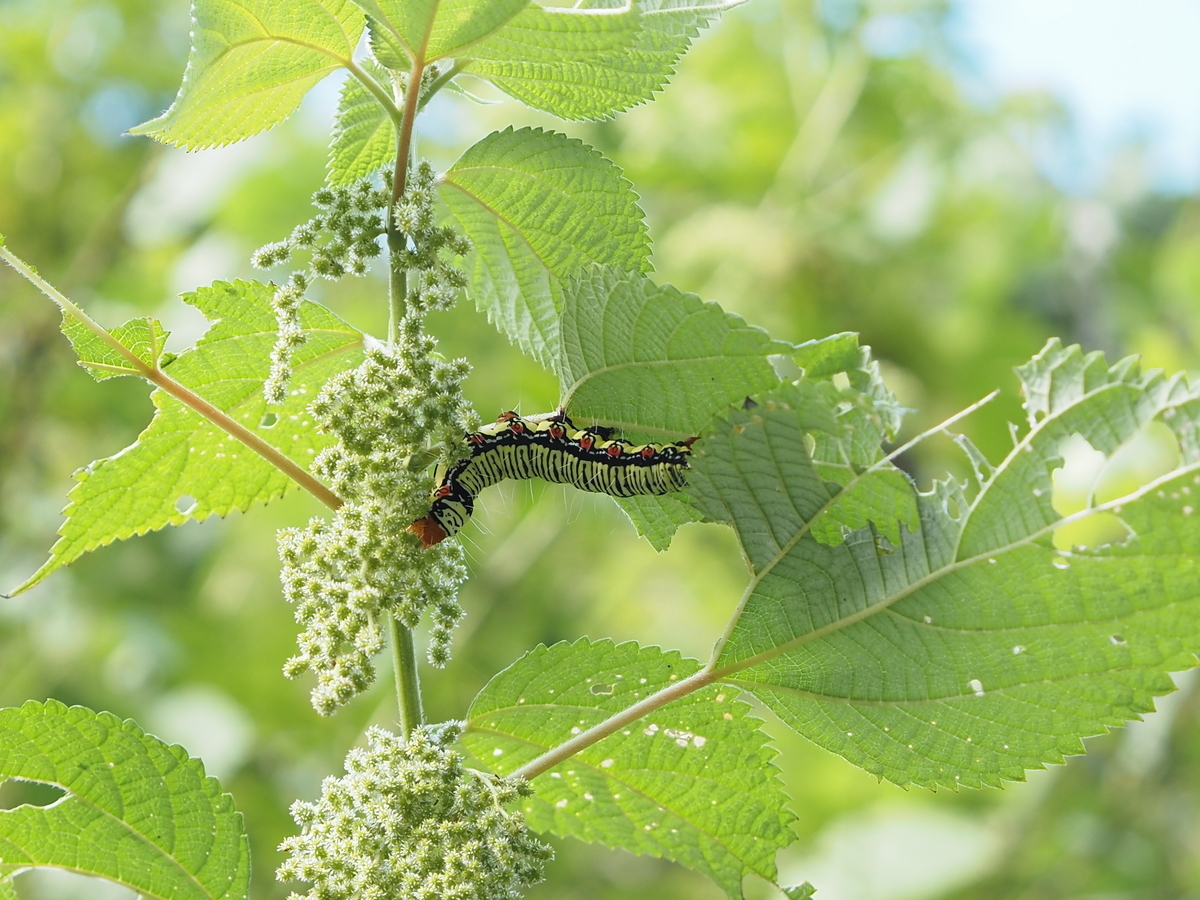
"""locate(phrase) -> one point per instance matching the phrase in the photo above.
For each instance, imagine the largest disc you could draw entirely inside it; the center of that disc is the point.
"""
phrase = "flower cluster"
(346, 575)
(342, 239)
(409, 822)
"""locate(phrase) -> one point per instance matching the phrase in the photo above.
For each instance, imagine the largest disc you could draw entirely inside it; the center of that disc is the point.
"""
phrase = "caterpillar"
(549, 447)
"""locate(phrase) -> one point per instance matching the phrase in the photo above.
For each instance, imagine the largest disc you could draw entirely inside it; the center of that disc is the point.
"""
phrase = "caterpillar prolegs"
(553, 449)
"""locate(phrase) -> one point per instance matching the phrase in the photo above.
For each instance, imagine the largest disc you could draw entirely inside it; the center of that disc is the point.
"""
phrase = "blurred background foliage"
(801, 170)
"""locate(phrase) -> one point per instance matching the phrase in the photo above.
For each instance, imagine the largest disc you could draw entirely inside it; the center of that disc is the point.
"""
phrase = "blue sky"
(1125, 69)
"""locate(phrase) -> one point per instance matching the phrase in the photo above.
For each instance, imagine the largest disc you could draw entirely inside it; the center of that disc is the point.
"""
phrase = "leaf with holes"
(251, 64)
(184, 467)
(539, 206)
(136, 812)
(693, 782)
(593, 60)
(970, 649)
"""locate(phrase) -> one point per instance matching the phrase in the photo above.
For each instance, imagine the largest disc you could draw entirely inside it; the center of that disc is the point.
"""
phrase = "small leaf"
(144, 337)
(364, 136)
(693, 782)
(184, 467)
(539, 206)
(649, 358)
(594, 60)
(827, 356)
(436, 29)
(971, 649)
(800, 892)
(137, 811)
(658, 518)
(252, 62)
(386, 46)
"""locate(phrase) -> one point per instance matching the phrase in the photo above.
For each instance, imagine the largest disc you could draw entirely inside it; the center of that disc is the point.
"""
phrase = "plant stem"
(186, 396)
(408, 683)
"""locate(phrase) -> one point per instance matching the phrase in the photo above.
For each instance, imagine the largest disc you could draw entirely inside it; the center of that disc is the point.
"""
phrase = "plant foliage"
(940, 638)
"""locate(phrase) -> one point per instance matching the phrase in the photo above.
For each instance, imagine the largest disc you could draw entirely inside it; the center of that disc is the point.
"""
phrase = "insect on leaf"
(971, 649)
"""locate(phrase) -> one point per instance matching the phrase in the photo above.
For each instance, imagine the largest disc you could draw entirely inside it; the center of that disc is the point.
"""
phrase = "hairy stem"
(380, 93)
(408, 683)
(160, 379)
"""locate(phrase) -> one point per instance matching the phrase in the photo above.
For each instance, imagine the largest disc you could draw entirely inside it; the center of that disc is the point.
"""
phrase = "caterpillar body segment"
(553, 449)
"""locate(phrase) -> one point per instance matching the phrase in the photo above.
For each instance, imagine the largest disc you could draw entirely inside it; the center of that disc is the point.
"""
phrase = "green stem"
(408, 684)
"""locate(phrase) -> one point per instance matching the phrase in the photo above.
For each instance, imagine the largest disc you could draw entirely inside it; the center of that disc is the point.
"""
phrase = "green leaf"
(800, 892)
(658, 518)
(594, 60)
(251, 64)
(184, 467)
(436, 29)
(386, 46)
(972, 649)
(693, 782)
(364, 136)
(144, 337)
(652, 360)
(137, 811)
(648, 358)
(539, 206)
(7, 891)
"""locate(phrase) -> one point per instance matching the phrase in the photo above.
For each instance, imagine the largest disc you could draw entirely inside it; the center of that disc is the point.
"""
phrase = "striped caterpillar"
(553, 449)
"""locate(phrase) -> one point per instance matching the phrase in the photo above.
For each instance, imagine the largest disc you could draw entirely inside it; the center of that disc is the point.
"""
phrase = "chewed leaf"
(658, 518)
(143, 337)
(251, 64)
(538, 207)
(693, 782)
(970, 649)
(137, 811)
(183, 466)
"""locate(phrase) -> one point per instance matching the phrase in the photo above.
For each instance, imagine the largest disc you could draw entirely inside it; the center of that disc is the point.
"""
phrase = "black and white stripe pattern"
(553, 449)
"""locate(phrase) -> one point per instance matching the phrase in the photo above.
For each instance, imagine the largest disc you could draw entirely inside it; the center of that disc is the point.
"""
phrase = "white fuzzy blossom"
(408, 821)
(345, 575)
(341, 239)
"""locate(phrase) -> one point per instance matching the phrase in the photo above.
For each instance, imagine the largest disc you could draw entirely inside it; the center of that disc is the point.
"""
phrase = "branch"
(160, 379)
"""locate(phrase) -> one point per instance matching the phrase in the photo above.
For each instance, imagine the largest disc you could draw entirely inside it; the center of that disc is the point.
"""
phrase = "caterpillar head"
(429, 531)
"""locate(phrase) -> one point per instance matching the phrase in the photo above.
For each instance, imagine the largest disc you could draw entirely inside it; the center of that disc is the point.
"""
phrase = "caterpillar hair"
(549, 447)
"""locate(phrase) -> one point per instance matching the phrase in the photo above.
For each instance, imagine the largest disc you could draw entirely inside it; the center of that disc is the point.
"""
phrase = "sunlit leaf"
(144, 337)
(364, 135)
(434, 29)
(971, 649)
(251, 64)
(693, 782)
(182, 466)
(137, 811)
(593, 60)
(539, 206)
